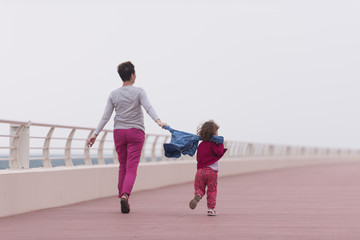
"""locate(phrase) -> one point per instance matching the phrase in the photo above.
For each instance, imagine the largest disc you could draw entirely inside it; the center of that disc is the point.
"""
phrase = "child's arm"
(218, 149)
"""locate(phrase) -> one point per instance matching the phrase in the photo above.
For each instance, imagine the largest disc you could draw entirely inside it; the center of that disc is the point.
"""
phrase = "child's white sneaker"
(194, 201)
(211, 212)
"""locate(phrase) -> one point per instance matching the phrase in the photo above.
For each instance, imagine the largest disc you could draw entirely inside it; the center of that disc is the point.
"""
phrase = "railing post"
(142, 157)
(302, 151)
(233, 149)
(242, 149)
(101, 149)
(228, 145)
(262, 150)
(288, 151)
(153, 152)
(238, 151)
(87, 159)
(46, 150)
(338, 152)
(316, 151)
(249, 149)
(68, 160)
(271, 150)
(283, 150)
(19, 146)
(162, 148)
(115, 156)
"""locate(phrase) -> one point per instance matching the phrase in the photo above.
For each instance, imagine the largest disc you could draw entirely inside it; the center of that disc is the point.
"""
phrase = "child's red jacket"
(209, 153)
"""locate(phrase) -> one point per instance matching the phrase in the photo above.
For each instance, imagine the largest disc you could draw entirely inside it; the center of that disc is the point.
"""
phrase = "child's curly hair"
(207, 129)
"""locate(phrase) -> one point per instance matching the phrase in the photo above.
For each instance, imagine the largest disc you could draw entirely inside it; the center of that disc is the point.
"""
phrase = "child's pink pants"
(128, 145)
(206, 177)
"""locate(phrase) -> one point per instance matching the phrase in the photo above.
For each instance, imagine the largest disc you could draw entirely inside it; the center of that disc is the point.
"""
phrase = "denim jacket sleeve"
(181, 143)
(184, 143)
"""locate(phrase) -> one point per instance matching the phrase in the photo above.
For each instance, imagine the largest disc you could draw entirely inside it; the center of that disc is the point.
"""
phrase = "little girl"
(208, 155)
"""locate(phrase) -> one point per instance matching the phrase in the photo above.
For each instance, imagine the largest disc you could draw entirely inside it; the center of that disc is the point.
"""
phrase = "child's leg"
(211, 188)
(200, 182)
(199, 185)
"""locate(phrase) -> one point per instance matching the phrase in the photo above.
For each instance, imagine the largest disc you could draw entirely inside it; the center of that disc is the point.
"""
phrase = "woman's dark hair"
(125, 70)
(206, 130)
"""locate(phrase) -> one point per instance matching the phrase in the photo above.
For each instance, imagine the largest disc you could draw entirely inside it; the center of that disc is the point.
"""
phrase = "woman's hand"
(160, 123)
(91, 141)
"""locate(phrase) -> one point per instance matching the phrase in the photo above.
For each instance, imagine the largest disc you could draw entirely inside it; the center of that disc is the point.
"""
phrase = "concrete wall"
(33, 189)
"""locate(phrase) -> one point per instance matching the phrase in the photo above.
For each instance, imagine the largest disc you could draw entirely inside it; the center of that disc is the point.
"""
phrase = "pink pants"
(206, 177)
(128, 145)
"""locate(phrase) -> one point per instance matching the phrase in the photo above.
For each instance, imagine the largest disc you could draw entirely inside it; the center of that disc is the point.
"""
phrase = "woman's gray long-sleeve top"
(127, 102)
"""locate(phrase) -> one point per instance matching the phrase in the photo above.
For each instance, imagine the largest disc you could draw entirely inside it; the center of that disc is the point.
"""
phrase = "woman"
(129, 130)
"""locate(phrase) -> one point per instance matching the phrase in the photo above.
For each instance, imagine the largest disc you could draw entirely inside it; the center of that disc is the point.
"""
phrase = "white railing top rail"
(29, 123)
(18, 147)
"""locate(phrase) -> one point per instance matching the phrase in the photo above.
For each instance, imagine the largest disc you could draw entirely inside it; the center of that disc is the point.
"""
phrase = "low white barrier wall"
(33, 189)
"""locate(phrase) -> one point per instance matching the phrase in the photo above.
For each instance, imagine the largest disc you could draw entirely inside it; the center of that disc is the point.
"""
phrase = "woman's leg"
(121, 149)
(135, 142)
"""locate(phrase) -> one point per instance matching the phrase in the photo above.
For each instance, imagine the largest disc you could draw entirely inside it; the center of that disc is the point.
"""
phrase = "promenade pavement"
(319, 202)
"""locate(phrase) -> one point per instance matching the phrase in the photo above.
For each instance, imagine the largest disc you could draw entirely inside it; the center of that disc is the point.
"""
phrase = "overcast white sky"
(268, 71)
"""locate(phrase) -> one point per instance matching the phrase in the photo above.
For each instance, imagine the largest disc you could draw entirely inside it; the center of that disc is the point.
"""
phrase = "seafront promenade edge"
(53, 187)
(317, 202)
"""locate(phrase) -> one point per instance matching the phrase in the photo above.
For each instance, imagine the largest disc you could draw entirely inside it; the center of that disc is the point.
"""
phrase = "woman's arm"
(160, 123)
(105, 118)
(149, 108)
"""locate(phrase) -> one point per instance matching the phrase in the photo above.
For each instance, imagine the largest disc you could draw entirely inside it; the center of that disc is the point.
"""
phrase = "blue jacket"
(184, 143)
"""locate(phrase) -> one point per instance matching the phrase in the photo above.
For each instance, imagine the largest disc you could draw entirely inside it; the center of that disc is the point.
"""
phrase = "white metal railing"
(18, 147)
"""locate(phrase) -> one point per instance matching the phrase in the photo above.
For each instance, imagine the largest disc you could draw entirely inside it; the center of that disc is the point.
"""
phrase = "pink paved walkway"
(309, 203)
